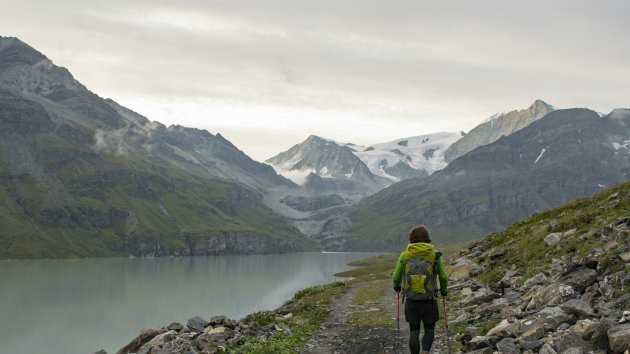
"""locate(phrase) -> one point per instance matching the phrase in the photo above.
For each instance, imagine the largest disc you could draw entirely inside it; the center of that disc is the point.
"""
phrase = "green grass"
(526, 249)
(310, 309)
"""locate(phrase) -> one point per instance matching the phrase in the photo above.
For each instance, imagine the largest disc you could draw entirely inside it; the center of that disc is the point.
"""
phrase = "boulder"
(550, 295)
(505, 328)
(218, 320)
(553, 239)
(485, 350)
(573, 340)
(533, 345)
(599, 339)
(146, 334)
(578, 308)
(197, 324)
(552, 318)
(546, 349)
(580, 278)
(508, 346)
(462, 269)
(573, 350)
(175, 326)
(537, 279)
(157, 342)
(534, 333)
(480, 342)
(585, 328)
(619, 338)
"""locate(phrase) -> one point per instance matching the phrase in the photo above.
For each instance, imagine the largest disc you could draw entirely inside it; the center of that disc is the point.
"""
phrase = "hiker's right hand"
(443, 293)
(397, 288)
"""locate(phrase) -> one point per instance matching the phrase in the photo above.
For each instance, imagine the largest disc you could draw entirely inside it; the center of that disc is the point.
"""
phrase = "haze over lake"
(80, 306)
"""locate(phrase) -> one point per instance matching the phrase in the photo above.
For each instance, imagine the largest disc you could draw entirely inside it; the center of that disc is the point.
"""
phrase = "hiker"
(415, 275)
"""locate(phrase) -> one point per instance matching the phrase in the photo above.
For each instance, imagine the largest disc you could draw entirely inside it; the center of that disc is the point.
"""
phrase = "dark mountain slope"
(568, 154)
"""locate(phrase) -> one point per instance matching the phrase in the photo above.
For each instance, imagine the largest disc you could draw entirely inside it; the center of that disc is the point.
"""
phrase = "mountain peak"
(13, 50)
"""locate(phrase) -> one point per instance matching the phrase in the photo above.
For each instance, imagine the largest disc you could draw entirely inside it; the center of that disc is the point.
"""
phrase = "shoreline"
(286, 328)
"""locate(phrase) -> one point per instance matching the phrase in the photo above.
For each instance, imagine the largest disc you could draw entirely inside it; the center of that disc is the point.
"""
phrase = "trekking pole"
(448, 339)
(398, 311)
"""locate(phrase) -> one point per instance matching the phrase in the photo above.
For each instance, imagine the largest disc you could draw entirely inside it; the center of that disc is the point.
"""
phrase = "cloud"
(426, 65)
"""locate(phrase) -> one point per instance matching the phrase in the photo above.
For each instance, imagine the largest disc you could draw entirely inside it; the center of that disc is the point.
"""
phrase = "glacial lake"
(81, 306)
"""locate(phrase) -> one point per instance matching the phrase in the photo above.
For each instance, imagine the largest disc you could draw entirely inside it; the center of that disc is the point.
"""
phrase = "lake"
(81, 306)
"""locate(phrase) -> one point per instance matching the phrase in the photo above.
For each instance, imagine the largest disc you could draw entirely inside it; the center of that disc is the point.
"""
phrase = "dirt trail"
(339, 335)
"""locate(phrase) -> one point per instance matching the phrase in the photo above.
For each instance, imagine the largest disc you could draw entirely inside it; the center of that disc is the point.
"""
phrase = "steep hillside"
(82, 176)
(568, 154)
(500, 124)
(557, 281)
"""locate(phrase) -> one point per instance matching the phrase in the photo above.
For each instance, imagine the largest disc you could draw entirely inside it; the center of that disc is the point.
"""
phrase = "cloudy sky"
(266, 74)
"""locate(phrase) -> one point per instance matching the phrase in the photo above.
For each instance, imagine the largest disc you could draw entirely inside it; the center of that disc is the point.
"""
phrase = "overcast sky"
(266, 74)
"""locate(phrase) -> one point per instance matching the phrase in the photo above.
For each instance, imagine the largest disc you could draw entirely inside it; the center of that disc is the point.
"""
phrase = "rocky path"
(339, 334)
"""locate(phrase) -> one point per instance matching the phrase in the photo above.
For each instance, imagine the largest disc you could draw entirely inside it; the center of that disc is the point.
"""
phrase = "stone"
(146, 334)
(532, 345)
(550, 295)
(572, 340)
(218, 320)
(546, 349)
(157, 342)
(485, 350)
(537, 279)
(553, 239)
(585, 328)
(508, 346)
(599, 339)
(175, 326)
(580, 278)
(577, 307)
(573, 350)
(625, 257)
(619, 338)
(551, 318)
(505, 329)
(534, 333)
(197, 324)
(479, 342)
(625, 317)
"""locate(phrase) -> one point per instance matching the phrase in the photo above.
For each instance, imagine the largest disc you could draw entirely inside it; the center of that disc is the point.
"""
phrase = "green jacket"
(422, 250)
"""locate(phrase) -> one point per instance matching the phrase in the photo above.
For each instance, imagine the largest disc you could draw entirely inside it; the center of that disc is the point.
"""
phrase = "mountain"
(567, 154)
(500, 124)
(408, 157)
(324, 167)
(83, 176)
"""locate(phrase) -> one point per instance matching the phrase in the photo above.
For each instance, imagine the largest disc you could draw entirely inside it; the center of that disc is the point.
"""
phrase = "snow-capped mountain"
(498, 125)
(408, 157)
(324, 166)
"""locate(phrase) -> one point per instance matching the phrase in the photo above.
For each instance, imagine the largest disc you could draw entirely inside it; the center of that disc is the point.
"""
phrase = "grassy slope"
(523, 241)
(165, 203)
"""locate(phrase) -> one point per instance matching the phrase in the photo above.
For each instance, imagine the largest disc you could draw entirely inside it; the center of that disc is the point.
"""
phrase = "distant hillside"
(568, 154)
(81, 176)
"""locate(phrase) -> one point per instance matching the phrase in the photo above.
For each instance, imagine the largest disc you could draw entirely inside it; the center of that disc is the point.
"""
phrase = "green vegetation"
(117, 205)
(581, 223)
(310, 307)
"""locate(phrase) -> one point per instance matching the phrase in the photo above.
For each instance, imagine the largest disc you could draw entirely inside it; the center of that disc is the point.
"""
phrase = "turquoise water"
(81, 306)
